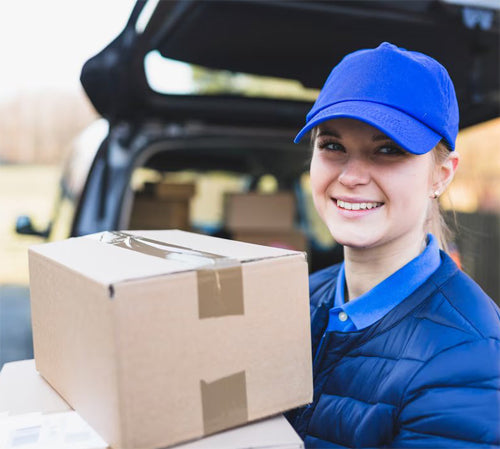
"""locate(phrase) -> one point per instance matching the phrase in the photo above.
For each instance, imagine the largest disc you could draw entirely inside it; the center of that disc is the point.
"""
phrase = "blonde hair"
(435, 222)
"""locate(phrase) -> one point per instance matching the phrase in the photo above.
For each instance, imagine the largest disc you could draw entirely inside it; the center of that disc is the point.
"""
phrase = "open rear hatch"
(298, 40)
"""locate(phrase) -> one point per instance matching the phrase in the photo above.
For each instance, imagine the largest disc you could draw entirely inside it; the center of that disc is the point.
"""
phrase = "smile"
(357, 206)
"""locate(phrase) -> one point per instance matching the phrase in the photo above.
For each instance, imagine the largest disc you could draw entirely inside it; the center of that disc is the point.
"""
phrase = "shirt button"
(342, 316)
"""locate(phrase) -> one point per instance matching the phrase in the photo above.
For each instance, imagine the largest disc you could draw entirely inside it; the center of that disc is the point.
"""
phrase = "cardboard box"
(163, 205)
(287, 238)
(257, 211)
(159, 337)
(171, 190)
(264, 219)
(31, 411)
(150, 213)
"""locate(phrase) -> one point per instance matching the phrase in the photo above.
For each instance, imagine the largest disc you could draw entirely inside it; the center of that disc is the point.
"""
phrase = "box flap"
(96, 257)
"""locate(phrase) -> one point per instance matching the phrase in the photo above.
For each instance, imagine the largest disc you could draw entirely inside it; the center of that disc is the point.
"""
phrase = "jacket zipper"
(319, 352)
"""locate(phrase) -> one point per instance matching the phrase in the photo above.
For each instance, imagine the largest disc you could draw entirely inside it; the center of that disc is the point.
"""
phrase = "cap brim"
(406, 131)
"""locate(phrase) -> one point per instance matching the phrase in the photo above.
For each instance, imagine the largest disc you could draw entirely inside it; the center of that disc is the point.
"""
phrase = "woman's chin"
(355, 241)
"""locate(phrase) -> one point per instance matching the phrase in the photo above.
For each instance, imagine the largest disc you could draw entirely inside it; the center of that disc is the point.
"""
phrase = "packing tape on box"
(224, 403)
(220, 293)
(219, 278)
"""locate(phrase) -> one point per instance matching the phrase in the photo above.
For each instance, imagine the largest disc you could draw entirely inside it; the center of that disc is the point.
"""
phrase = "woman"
(406, 346)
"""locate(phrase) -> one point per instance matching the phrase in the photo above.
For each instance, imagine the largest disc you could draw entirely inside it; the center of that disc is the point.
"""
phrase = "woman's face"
(368, 190)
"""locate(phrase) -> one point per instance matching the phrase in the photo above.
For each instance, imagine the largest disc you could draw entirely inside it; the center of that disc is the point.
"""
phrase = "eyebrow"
(328, 133)
(379, 137)
(333, 133)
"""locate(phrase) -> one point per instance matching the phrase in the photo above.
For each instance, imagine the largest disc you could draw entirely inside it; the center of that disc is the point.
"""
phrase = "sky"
(44, 43)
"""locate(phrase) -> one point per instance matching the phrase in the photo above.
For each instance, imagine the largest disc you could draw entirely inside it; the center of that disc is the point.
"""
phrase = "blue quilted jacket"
(425, 375)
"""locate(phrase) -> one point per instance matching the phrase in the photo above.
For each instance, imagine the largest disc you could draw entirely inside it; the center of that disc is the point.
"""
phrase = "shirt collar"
(381, 299)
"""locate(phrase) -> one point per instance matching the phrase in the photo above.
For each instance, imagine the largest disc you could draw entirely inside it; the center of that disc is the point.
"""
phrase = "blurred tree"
(208, 81)
(38, 126)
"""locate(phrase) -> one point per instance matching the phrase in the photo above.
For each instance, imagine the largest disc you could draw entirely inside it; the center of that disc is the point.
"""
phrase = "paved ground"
(15, 324)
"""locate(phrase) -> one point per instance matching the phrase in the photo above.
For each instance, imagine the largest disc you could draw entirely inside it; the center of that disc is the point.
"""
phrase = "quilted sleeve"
(454, 399)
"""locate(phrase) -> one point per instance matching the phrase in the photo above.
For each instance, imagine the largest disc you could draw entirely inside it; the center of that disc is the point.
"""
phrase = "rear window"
(168, 76)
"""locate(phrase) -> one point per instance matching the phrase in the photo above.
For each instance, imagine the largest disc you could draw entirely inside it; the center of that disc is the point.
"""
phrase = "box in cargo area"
(163, 205)
(158, 337)
(259, 211)
(264, 219)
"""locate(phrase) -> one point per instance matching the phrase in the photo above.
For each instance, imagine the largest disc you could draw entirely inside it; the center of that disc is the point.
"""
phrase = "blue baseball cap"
(407, 95)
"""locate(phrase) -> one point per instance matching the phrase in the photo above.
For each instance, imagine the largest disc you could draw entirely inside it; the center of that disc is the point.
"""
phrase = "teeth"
(357, 206)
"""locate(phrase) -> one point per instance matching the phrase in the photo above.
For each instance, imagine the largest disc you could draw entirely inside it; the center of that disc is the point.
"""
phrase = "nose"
(355, 172)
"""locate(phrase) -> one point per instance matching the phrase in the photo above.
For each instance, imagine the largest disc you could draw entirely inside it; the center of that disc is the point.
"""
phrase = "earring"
(435, 194)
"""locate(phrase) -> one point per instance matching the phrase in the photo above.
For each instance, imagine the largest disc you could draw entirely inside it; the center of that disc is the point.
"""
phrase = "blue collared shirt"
(381, 299)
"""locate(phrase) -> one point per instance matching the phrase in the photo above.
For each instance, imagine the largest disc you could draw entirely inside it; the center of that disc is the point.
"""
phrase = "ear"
(445, 172)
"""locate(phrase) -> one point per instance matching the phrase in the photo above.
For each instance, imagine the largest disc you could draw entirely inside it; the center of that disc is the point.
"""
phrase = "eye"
(390, 149)
(330, 146)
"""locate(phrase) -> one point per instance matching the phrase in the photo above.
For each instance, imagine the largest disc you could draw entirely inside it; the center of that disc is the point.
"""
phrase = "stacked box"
(30, 410)
(163, 205)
